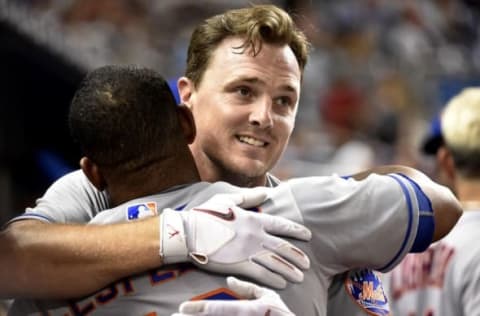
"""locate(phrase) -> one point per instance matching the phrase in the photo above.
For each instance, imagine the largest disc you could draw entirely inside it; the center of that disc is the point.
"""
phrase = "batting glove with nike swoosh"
(256, 301)
(220, 236)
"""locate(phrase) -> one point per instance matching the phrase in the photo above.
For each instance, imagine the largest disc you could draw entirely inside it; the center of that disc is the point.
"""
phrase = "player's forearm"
(447, 209)
(63, 261)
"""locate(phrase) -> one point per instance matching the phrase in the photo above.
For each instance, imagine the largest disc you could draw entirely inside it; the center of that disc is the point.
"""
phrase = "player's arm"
(447, 209)
(42, 256)
(47, 260)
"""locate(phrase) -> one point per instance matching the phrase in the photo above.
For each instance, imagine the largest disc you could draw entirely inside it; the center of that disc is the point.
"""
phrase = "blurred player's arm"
(447, 209)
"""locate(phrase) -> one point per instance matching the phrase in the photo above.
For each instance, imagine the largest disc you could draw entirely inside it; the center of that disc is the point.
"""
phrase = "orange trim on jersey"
(215, 292)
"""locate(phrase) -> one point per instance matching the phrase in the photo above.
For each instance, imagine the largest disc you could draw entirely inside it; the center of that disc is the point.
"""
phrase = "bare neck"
(468, 192)
(153, 179)
(211, 172)
(209, 175)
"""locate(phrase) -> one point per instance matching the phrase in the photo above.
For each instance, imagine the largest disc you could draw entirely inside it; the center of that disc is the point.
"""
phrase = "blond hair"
(461, 129)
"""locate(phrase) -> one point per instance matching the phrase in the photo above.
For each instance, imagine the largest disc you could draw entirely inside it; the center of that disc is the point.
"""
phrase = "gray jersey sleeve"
(371, 223)
(70, 199)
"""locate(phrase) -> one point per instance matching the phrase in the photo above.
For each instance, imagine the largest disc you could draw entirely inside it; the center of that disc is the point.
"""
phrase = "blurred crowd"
(378, 72)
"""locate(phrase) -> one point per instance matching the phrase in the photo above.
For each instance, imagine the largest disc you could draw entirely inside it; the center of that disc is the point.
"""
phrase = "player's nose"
(261, 114)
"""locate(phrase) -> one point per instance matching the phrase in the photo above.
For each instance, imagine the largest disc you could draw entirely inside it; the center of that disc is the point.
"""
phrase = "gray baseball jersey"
(347, 219)
(445, 279)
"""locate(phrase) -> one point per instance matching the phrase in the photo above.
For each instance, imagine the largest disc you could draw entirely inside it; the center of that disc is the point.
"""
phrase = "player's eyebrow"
(256, 80)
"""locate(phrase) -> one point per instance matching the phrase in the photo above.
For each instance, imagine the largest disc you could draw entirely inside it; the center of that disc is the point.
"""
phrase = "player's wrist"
(173, 241)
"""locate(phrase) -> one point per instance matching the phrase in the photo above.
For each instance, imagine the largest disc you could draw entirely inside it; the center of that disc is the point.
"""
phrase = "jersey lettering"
(421, 270)
(124, 287)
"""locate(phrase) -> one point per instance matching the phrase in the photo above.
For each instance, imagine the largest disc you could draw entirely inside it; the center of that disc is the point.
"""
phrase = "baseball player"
(345, 215)
(445, 279)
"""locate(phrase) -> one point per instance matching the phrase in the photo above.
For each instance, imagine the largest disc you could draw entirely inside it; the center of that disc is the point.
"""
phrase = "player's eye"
(244, 91)
(284, 101)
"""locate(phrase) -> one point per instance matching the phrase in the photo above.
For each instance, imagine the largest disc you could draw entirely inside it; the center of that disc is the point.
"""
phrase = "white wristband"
(173, 242)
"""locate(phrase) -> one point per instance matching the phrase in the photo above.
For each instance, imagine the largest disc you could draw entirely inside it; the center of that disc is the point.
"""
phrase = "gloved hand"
(257, 301)
(220, 236)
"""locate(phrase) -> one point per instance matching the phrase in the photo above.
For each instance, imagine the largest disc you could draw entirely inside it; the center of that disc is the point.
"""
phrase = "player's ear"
(91, 170)
(187, 123)
(185, 90)
(446, 162)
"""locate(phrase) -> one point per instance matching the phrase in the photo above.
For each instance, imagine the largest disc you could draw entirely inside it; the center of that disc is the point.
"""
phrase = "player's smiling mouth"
(252, 141)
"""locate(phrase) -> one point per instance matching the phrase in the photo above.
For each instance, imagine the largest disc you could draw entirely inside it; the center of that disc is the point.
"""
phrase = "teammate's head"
(461, 132)
(242, 83)
(124, 117)
(126, 120)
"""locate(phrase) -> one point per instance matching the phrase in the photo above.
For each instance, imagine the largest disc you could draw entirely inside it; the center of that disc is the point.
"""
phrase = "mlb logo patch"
(142, 210)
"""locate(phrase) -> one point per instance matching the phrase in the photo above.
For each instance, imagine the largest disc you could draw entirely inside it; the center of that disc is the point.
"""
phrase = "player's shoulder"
(73, 178)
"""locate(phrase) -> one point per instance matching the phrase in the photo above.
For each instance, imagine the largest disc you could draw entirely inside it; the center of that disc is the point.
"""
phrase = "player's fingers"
(246, 290)
(192, 307)
(287, 251)
(246, 198)
(261, 274)
(279, 265)
(252, 197)
(284, 227)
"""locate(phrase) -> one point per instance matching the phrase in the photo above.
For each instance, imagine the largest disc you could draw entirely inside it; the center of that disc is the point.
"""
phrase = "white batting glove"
(219, 236)
(257, 301)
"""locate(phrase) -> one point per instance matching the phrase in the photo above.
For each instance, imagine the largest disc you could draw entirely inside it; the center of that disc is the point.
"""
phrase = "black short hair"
(124, 116)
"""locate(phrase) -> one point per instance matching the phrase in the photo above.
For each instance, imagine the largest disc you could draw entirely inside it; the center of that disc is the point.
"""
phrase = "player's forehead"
(274, 65)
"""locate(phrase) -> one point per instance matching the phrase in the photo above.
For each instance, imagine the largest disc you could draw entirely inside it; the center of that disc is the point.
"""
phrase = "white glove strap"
(173, 242)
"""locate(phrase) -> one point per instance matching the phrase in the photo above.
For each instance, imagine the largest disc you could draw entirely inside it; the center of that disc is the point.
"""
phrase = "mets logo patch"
(142, 210)
(366, 289)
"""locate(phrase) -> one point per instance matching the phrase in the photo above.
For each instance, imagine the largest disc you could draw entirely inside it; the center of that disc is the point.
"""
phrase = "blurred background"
(380, 70)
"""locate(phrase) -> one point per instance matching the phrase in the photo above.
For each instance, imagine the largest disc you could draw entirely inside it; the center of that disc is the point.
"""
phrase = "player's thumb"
(245, 289)
(192, 307)
(252, 197)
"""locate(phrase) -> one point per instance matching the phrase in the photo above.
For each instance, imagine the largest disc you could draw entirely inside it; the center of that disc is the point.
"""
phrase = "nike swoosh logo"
(229, 216)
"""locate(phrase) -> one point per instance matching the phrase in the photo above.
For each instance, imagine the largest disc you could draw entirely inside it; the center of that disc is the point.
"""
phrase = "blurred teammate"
(445, 280)
(345, 215)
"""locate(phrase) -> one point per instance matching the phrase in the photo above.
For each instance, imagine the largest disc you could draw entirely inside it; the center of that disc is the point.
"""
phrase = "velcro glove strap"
(173, 241)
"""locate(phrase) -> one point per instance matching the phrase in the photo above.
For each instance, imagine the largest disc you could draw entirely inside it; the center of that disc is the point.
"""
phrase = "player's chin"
(251, 168)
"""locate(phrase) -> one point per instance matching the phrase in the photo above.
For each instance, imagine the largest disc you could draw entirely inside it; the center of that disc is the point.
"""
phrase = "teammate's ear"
(185, 89)
(446, 162)
(91, 170)
(187, 123)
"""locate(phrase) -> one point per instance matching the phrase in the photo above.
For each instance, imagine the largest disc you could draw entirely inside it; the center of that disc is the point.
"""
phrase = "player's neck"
(213, 171)
(212, 174)
(467, 192)
(159, 177)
